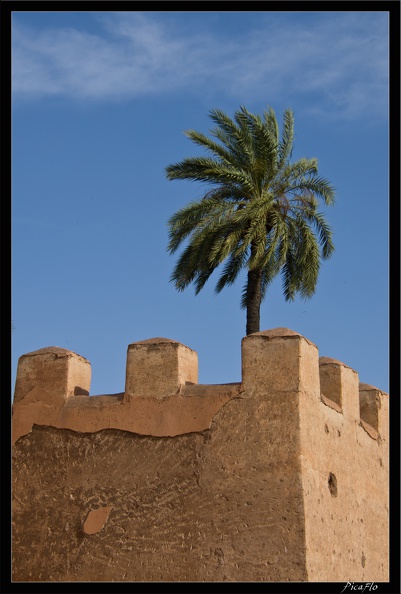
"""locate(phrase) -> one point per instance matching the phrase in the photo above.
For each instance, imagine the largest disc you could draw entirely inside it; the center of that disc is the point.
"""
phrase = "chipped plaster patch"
(96, 519)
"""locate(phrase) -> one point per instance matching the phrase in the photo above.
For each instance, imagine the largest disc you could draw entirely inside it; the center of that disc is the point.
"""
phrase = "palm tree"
(259, 212)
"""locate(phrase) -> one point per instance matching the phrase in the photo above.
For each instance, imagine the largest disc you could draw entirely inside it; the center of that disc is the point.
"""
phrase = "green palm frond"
(187, 219)
(208, 170)
(287, 139)
(231, 270)
(244, 296)
(224, 154)
(234, 135)
(325, 234)
(318, 186)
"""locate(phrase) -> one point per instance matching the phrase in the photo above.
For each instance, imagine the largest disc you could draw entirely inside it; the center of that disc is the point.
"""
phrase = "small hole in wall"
(332, 482)
(363, 560)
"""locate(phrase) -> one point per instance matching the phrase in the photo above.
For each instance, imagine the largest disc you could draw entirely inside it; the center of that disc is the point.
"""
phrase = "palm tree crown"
(259, 212)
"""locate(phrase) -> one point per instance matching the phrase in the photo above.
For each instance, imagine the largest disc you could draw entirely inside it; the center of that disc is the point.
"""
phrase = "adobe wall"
(345, 479)
(344, 457)
(175, 481)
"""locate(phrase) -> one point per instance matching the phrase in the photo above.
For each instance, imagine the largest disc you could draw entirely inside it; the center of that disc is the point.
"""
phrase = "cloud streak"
(339, 59)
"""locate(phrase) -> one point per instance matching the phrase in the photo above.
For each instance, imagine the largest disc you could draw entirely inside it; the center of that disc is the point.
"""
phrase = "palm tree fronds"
(259, 213)
(232, 268)
(287, 139)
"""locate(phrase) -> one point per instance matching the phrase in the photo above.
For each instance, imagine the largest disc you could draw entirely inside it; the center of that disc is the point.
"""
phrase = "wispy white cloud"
(339, 59)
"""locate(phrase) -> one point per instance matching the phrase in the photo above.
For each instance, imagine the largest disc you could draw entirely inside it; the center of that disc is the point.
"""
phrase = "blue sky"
(100, 104)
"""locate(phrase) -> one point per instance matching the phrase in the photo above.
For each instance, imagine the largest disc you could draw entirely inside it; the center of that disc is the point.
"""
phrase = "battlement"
(280, 477)
(162, 396)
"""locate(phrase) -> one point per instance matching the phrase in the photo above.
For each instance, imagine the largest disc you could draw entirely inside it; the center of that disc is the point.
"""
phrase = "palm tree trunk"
(253, 299)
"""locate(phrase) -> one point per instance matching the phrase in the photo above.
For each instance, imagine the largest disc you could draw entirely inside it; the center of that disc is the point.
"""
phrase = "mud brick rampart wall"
(281, 477)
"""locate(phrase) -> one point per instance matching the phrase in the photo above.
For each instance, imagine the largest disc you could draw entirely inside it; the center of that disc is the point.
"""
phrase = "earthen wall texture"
(345, 486)
(268, 480)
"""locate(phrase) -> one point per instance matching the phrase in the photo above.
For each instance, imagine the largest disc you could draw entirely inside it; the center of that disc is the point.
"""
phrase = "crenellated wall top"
(162, 396)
